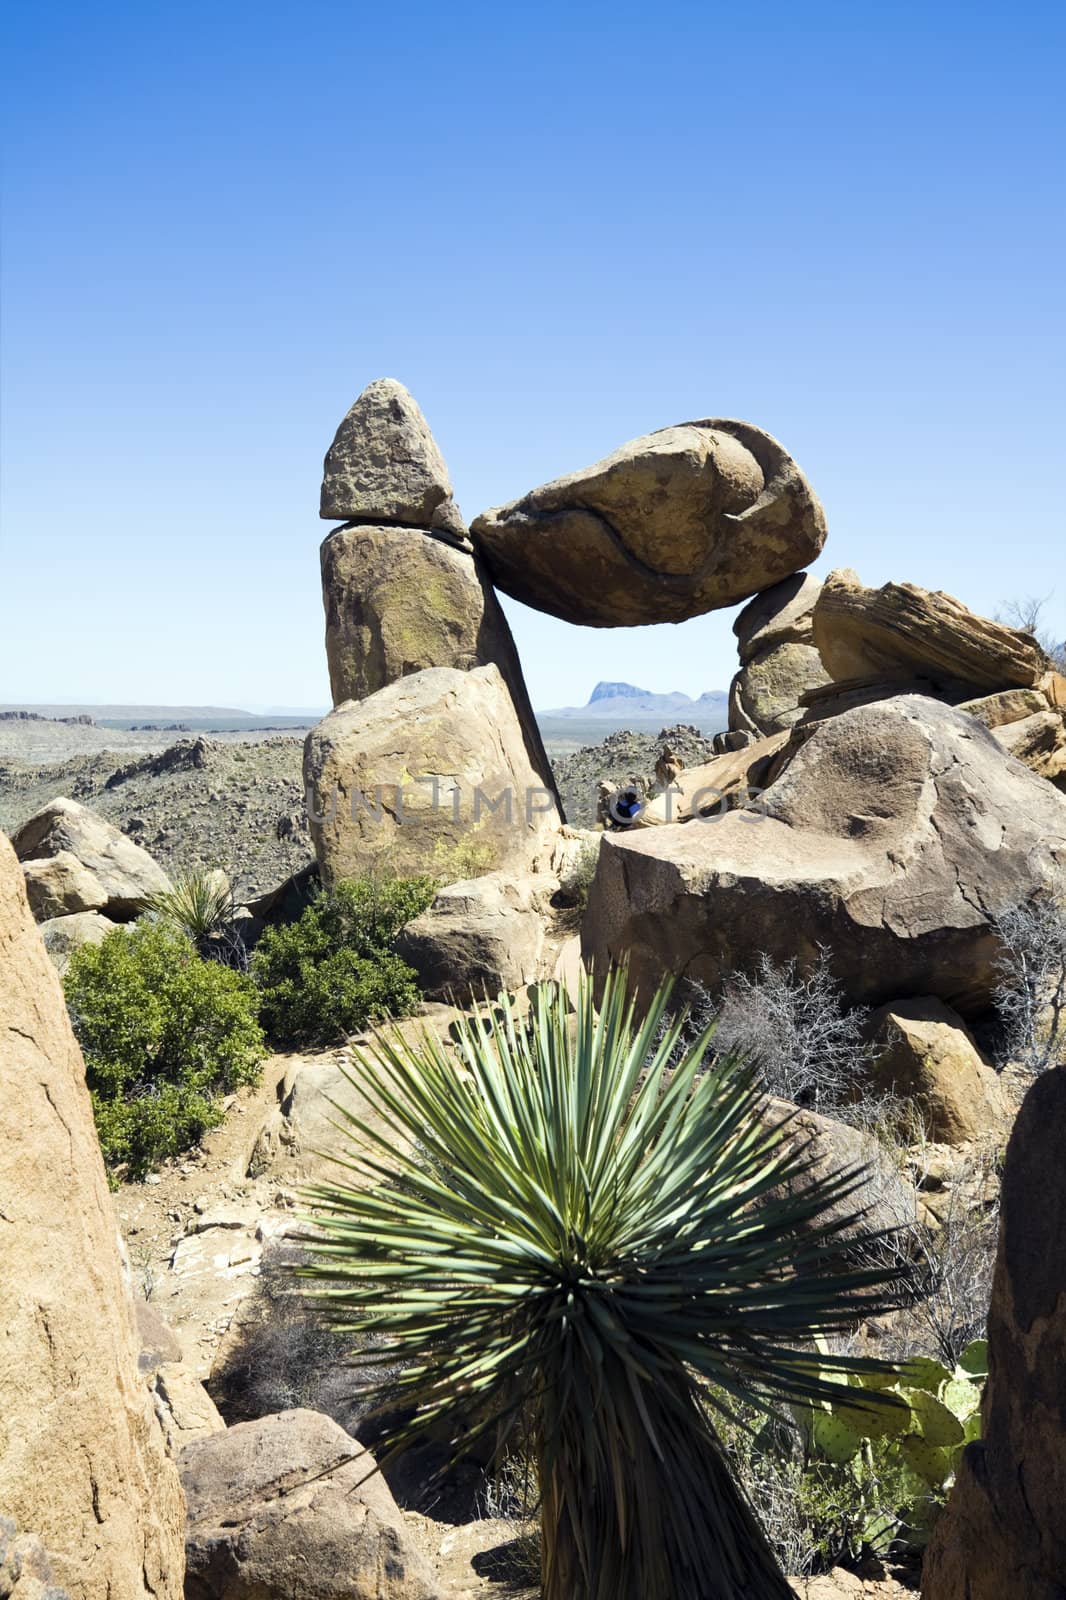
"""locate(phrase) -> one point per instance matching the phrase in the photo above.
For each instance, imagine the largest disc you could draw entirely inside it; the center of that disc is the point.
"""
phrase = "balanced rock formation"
(1003, 1532)
(75, 861)
(384, 466)
(291, 1506)
(671, 525)
(894, 835)
(432, 773)
(778, 659)
(926, 1054)
(902, 632)
(82, 1457)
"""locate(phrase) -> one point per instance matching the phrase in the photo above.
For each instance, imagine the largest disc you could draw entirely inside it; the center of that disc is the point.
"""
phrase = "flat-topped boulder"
(682, 521)
(894, 835)
(384, 466)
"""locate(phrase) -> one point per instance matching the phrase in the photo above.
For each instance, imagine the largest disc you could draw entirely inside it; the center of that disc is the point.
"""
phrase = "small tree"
(1031, 993)
(1027, 614)
(570, 1221)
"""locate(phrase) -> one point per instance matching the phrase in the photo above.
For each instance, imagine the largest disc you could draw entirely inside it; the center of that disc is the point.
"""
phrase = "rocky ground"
(234, 802)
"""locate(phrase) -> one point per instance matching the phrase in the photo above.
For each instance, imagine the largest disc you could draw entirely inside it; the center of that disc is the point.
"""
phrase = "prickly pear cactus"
(924, 1416)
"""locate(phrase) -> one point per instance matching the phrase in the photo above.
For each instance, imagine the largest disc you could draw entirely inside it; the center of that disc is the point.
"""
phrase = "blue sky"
(560, 226)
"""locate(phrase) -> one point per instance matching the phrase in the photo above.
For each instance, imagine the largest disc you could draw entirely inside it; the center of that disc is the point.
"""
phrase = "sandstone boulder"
(398, 600)
(671, 525)
(782, 614)
(82, 1458)
(384, 466)
(127, 876)
(1039, 741)
(59, 886)
(432, 773)
(1010, 705)
(927, 1055)
(286, 1506)
(766, 695)
(479, 937)
(895, 833)
(1003, 1532)
(25, 1568)
(885, 1196)
(902, 631)
(63, 935)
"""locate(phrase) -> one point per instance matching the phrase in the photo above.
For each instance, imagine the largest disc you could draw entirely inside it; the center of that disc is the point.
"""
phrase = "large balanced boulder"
(93, 866)
(1003, 1533)
(926, 1054)
(384, 466)
(431, 774)
(290, 1506)
(671, 525)
(895, 834)
(901, 631)
(82, 1458)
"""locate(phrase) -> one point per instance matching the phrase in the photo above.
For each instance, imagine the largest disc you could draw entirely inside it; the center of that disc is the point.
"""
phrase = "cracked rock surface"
(894, 834)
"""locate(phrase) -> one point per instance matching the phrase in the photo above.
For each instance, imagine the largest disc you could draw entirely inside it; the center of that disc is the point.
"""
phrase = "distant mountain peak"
(612, 691)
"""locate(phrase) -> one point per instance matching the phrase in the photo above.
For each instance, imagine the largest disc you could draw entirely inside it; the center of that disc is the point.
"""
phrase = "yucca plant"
(574, 1219)
(200, 904)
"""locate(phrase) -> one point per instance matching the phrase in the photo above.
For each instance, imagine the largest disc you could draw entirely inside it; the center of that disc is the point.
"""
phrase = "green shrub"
(164, 1034)
(335, 969)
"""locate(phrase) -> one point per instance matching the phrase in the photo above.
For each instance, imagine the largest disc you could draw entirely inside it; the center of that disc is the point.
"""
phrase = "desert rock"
(928, 1056)
(384, 465)
(894, 835)
(1003, 1532)
(431, 774)
(671, 525)
(82, 1458)
(127, 875)
(902, 631)
(767, 693)
(286, 1506)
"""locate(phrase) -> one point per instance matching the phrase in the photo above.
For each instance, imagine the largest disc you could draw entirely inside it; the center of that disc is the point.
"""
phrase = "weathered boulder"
(893, 836)
(766, 695)
(671, 525)
(480, 936)
(1010, 705)
(25, 1568)
(902, 631)
(432, 773)
(885, 1196)
(384, 466)
(185, 1409)
(1039, 741)
(287, 1506)
(1003, 1532)
(82, 1459)
(299, 1134)
(926, 1054)
(782, 614)
(63, 935)
(126, 874)
(59, 885)
(398, 600)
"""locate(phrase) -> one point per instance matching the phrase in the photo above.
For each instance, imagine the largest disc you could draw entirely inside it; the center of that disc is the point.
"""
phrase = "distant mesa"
(612, 701)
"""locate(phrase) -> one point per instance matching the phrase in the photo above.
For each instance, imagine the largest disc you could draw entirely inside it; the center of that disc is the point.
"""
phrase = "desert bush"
(335, 968)
(164, 1034)
(807, 1043)
(1030, 995)
(591, 1230)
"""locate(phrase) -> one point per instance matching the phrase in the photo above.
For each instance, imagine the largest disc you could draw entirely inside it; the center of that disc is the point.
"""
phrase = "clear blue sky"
(560, 226)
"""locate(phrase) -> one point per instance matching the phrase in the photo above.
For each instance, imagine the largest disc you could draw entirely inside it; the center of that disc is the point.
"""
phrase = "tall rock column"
(82, 1458)
(401, 585)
